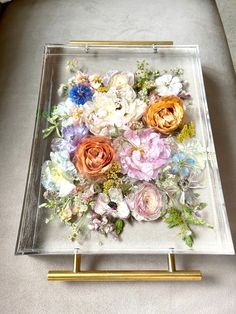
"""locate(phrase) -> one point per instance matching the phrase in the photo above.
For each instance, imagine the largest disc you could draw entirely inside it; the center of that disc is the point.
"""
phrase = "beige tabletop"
(24, 28)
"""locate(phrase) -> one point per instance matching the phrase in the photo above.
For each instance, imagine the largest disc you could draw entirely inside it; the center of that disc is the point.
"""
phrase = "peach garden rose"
(166, 115)
(94, 156)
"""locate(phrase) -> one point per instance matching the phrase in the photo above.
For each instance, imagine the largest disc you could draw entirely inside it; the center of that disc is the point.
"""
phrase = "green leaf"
(210, 226)
(186, 234)
(183, 217)
(201, 206)
(48, 131)
(126, 188)
(119, 226)
(117, 132)
(172, 217)
(188, 240)
(188, 211)
(195, 220)
(45, 114)
(58, 132)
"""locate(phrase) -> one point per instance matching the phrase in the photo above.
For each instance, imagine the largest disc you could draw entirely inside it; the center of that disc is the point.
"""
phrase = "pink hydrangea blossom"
(142, 153)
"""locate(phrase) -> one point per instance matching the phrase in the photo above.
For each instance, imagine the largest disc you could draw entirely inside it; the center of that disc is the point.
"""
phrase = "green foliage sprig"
(59, 207)
(145, 79)
(54, 120)
(183, 218)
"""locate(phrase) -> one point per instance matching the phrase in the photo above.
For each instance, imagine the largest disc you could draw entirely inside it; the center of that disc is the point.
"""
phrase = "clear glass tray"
(36, 237)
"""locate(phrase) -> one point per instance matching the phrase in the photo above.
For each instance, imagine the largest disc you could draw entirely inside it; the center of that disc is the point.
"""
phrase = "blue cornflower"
(181, 164)
(80, 93)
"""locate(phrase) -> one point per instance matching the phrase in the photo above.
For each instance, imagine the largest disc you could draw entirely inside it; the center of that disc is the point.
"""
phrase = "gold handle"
(125, 275)
(121, 43)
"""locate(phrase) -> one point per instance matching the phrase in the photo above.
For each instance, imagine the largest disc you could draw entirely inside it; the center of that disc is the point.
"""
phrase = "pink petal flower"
(146, 203)
(142, 153)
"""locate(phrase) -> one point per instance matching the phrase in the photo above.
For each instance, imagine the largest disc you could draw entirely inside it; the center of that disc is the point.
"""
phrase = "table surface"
(24, 28)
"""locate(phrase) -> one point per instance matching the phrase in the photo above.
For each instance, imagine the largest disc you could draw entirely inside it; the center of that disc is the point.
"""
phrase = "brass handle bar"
(121, 43)
(114, 275)
(125, 275)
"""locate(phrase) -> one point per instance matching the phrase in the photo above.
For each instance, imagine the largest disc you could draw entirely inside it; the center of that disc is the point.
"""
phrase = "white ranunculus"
(168, 85)
(118, 79)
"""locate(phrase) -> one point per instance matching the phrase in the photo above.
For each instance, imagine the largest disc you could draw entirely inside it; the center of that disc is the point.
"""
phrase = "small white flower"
(70, 113)
(72, 65)
(115, 195)
(108, 229)
(78, 78)
(104, 220)
(62, 90)
(71, 81)
(62, 159)
(168, 85)
(188, 232)
(123, 211)
(101, 205)
(95, 81)
(61, 110)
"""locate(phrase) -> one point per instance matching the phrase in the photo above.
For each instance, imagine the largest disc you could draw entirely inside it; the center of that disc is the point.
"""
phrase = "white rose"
(108, 111)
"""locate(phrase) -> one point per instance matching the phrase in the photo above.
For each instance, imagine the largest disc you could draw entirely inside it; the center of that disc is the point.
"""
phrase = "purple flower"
(59, 144)
(74, 133)
(142, 153)
(184, 95)
(71, 137)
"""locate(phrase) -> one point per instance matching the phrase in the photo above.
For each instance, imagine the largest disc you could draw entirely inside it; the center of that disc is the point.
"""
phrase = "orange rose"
(166, 115)
(94, 156)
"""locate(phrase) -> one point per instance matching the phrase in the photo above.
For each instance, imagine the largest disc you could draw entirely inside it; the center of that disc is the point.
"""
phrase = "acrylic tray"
(36, 237)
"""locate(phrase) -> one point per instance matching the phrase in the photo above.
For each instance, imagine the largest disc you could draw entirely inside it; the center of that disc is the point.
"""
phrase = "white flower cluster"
(118, 108)
(58, 174)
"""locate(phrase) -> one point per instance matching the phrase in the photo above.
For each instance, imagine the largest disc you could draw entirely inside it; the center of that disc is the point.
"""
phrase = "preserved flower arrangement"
(123, 150)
